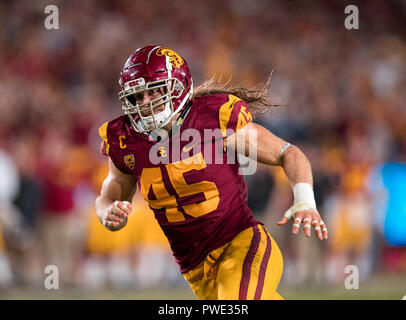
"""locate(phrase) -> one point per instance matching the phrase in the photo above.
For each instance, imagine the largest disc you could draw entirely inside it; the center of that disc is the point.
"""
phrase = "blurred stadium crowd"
(343, 94)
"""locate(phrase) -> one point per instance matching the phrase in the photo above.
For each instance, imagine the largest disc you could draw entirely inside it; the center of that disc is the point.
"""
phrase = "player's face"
(147, 96)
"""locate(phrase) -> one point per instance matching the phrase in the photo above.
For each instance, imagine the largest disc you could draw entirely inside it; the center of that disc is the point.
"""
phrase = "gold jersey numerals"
(152, 178)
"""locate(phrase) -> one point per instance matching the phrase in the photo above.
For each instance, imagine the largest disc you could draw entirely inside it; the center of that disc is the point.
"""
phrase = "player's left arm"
(274, 151)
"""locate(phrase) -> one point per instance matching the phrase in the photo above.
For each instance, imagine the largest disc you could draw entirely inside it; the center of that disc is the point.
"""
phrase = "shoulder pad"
(112, 129)
(224, 112)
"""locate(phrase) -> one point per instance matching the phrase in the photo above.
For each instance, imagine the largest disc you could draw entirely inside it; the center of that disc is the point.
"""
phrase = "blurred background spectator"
(344, 106)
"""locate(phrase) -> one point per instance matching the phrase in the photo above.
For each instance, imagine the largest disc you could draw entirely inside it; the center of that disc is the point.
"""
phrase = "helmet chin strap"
(148, 124)
(185, 99)
(154, 121)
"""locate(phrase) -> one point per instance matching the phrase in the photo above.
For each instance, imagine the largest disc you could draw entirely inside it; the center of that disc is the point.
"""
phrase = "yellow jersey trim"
(103, 135)
(225, 112)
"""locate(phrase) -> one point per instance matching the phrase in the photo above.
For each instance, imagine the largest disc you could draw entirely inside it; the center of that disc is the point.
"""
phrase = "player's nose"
(143, 98)
(146, 98)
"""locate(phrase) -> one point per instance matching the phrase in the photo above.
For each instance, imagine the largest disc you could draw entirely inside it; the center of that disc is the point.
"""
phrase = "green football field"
(380, 287)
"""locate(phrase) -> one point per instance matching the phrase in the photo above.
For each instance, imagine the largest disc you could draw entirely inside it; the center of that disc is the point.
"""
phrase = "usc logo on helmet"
(174, 58)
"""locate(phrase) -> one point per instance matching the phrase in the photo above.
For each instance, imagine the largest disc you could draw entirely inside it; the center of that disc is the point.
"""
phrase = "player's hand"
(310, 218)
(115, 216)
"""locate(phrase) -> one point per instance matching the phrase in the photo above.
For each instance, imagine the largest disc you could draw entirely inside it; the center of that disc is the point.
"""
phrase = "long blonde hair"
(256, 97)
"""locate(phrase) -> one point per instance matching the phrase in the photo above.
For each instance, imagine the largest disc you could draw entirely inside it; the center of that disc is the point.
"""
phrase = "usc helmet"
(152, 69)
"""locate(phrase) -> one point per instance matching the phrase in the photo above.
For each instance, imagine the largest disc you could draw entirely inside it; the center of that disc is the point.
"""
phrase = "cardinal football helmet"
(152, 69)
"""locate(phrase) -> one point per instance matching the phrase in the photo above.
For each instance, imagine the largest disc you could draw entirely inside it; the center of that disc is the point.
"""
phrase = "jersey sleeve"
(233, 115)
(105, 148)
(225, 112)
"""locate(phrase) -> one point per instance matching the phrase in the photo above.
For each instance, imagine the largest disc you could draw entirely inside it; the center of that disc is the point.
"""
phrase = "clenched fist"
(115, 216)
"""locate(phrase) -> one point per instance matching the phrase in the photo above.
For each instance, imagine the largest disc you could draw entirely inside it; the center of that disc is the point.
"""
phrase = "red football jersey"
(199, 205)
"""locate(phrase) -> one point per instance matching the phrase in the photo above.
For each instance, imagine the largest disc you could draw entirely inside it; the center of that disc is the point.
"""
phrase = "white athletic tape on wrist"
(303, 193)
(303, 199)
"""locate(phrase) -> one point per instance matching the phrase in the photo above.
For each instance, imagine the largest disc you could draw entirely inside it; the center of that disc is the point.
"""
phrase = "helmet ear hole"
(178, 86)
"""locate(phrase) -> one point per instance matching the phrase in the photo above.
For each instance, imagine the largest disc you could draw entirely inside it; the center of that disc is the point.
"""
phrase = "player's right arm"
(114, 202)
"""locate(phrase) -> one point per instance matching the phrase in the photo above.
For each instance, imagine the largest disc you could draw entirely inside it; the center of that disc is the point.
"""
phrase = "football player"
(200, 204)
